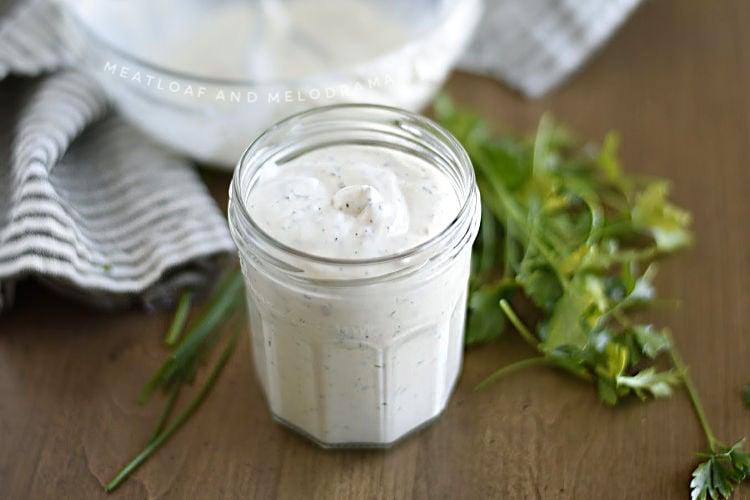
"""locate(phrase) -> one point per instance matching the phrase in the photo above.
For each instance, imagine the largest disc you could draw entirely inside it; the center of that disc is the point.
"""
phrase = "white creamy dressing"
(362, 364)
(352, 202)
(285, 56)
(257, 40)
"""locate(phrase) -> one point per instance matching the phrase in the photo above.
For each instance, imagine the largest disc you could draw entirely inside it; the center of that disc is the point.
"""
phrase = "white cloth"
(534, 45)
(88, 204)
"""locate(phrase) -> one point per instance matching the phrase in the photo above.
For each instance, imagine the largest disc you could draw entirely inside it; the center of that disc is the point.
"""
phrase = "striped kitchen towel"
(534, 45)
(88, 205)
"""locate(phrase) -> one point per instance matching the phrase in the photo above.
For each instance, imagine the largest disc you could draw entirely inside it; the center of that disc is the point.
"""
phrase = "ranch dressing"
(246, 40)
(357, 336)
(206, 76)
(353, 202)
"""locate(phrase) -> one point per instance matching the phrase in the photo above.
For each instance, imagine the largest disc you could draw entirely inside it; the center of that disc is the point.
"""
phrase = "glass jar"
(357, 352)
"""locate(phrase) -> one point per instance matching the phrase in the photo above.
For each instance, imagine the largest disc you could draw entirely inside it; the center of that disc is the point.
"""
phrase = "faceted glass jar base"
(355, 445)
(342, 387)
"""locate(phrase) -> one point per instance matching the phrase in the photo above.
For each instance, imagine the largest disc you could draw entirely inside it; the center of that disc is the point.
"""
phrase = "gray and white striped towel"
(89, 205)
(534, 45)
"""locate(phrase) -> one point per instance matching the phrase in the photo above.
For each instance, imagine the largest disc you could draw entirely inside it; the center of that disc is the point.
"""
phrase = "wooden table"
(676, 83)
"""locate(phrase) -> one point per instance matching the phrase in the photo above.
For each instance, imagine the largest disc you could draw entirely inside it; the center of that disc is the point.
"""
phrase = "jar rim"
(468, 203)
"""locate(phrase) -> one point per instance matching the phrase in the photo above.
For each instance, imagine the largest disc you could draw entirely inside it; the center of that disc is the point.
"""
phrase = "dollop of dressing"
(353, 202)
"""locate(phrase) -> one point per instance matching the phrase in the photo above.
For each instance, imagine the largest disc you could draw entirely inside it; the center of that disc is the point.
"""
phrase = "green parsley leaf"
(652, 341)
(716, 477)
(567, 323)
(614, 361)
(650, 382)
(610, 163)
(540, 283)
(486, 319)
(508, 161)
(653, 214)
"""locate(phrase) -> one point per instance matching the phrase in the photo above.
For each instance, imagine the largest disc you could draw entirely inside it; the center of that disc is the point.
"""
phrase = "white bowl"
(196, 96)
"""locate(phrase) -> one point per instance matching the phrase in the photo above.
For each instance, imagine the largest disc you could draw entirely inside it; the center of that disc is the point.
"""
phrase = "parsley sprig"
(571, 239)
(724, 467)
(571, 236)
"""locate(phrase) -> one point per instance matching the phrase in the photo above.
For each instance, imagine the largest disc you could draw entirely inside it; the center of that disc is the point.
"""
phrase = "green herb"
(180, 317)
(724, 467)
(718, 475)
(182, 364)
(573, 237)
(569, 236)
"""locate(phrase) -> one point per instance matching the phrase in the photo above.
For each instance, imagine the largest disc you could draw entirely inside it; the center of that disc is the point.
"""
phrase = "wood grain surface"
(675, 82)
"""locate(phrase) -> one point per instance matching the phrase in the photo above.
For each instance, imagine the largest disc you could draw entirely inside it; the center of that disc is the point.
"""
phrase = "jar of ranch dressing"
(354, 225)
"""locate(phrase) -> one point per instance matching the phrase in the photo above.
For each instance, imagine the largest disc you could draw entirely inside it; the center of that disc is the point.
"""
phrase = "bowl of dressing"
(206, 77)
